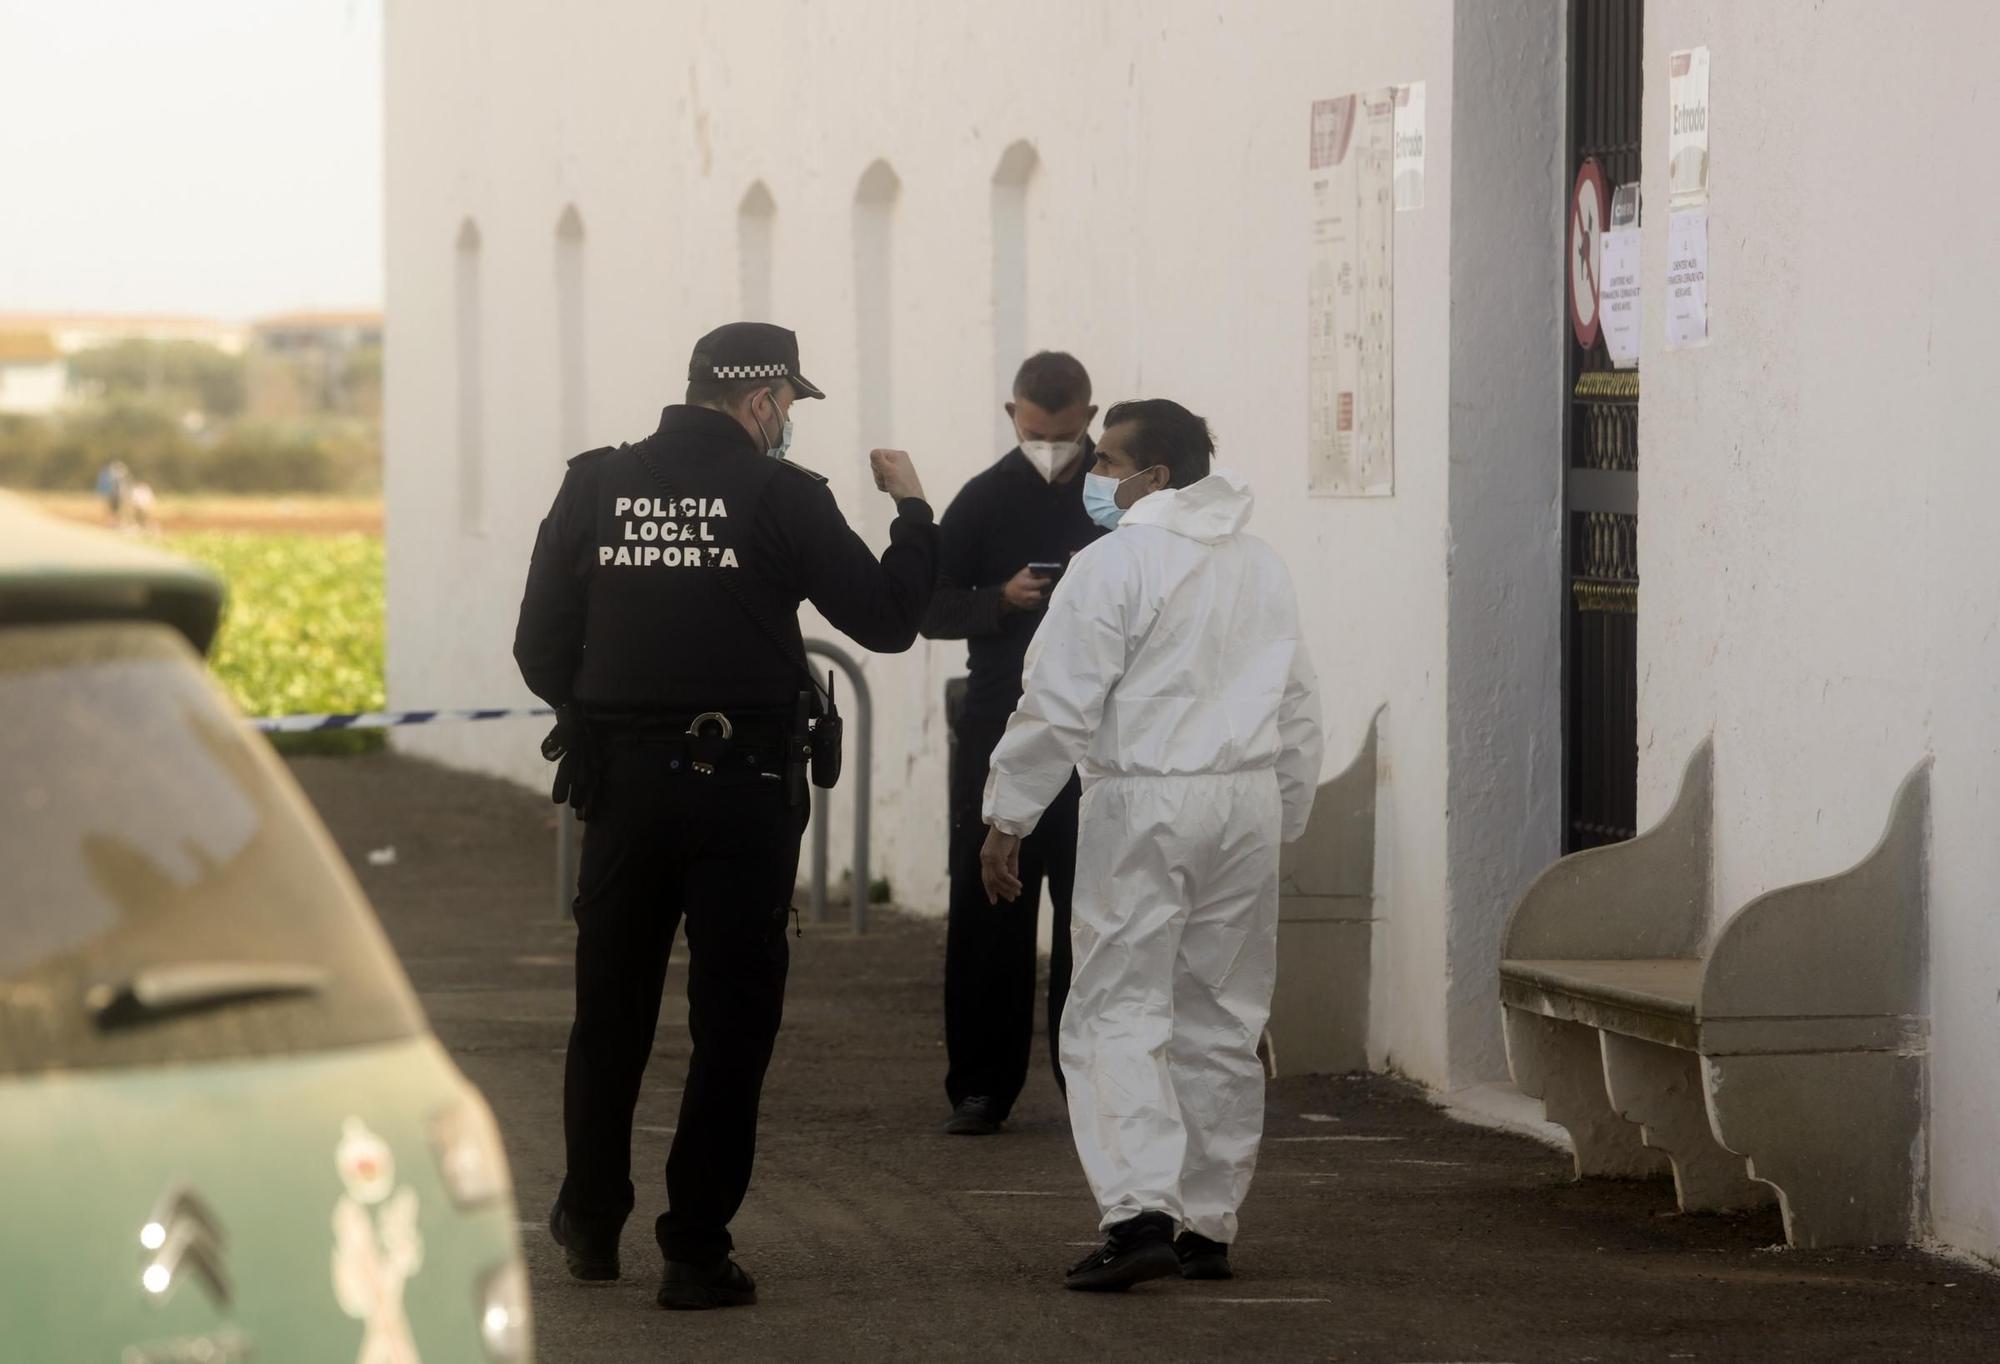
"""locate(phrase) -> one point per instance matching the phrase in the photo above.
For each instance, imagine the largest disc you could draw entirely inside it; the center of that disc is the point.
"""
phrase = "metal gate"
(1601, 498)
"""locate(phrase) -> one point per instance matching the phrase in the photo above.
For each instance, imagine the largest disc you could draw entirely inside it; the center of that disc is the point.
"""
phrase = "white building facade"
(33, 381)
(928, 191)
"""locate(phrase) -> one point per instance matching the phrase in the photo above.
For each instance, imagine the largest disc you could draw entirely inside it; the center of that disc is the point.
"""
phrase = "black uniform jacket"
(1004, 519)
(625, 607)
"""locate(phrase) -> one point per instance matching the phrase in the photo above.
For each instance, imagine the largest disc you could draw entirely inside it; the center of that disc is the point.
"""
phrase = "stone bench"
(1783, 1057)
(1326, 927)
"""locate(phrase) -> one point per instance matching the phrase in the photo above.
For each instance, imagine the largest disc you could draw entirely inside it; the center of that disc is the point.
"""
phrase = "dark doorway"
(1601, 463)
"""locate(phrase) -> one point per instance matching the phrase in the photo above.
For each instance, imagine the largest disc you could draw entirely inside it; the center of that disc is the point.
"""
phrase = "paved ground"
(1378, 1230)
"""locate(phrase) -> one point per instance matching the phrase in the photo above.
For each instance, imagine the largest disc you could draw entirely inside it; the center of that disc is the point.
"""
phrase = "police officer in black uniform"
(660, 619)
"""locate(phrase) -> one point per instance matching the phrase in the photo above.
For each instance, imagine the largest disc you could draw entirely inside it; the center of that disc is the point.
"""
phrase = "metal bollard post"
(819, 863)
(864, 750)
(566, 863)
(864, 887)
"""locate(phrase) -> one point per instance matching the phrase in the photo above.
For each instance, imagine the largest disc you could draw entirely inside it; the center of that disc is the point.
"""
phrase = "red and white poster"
(1350, 414)
(1687, 127)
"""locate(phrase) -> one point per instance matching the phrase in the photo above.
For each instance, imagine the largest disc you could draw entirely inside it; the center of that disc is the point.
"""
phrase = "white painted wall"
(1163, 222)
(1817, 488)
(1504, 561)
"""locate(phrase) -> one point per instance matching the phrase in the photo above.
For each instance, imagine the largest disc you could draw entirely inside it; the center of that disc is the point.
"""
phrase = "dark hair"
(725, 393)
(1167, 434)
(1052, 381)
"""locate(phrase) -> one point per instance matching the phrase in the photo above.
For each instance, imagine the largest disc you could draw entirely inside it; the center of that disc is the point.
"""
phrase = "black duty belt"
(706, 743)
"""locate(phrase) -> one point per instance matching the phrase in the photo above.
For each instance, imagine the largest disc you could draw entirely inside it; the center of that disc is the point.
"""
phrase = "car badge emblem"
(183, 1240)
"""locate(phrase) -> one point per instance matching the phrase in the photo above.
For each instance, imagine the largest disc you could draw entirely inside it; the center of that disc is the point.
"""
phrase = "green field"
(303, 630)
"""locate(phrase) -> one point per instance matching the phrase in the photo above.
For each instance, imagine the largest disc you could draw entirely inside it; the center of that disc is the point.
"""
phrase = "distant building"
(318, 333)
(320, 347)
(34, 376)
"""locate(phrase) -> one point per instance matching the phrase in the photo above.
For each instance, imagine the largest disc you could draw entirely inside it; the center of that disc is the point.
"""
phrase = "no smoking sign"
(1589, 214)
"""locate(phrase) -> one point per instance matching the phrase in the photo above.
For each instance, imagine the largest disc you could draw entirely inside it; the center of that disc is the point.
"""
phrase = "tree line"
(187, 417)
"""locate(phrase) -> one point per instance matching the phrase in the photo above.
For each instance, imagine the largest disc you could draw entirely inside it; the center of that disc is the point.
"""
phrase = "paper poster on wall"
(1409, 147)
(1620, 296)
(1349, 385)
(1687, 127)
(1687, 278)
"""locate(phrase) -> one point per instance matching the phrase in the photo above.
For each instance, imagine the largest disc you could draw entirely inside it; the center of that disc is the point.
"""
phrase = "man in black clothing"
(661, 620)
(1005, 539)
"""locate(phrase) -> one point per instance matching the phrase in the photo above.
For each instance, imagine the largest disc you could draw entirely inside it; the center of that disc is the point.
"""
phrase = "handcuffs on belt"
(704, 748)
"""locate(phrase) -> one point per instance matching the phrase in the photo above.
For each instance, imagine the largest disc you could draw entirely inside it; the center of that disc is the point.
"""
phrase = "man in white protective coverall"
(1171, 673)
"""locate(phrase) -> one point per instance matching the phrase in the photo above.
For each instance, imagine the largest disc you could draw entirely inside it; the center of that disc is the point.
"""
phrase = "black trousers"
(989, 964)
(721, 853)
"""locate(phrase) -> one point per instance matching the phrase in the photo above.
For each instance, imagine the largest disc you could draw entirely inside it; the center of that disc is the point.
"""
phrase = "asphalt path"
(1378, 1228)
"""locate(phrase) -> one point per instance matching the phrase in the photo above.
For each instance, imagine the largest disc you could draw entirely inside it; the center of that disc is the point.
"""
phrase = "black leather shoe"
(977, 1116)
(697, 1288)
(1134, 1251)
(592, 1256)
(1202, 1258)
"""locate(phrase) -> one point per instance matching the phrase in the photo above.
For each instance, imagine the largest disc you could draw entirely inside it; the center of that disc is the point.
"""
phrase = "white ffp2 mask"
(1051, 457)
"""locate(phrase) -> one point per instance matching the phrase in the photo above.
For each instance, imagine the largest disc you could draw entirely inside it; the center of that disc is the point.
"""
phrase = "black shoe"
(1202, 1258)
(592, 1256)
(696, 1288)
(977, 1116)
(1135, 1250)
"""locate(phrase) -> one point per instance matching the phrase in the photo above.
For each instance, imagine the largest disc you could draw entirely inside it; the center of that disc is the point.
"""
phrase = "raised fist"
(895, 475)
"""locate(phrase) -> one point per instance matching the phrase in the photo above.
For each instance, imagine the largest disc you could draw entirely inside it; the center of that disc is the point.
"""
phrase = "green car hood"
(309, 1184)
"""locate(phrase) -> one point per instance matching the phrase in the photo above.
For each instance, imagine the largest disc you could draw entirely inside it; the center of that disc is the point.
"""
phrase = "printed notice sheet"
(1687, 278)
(1349, 406)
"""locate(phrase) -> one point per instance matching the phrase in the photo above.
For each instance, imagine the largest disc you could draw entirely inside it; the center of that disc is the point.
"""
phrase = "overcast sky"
(206, 156)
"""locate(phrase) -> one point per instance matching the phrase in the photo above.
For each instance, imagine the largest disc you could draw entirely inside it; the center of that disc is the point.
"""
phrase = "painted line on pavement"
(1263, 1302)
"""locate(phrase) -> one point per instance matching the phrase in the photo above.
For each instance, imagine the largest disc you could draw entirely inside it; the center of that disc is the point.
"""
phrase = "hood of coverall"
(1168, 650)
(1214, 509)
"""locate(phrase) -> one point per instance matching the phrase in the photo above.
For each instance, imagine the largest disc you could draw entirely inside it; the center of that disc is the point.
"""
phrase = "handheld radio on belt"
(817, 730)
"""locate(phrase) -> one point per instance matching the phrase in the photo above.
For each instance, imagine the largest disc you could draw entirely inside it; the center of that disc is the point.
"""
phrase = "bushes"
(303, 631)
(186, 373)
(64, 454)
(271, 457)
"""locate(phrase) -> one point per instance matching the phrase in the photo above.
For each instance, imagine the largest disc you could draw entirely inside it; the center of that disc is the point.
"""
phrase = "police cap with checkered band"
(751, 350)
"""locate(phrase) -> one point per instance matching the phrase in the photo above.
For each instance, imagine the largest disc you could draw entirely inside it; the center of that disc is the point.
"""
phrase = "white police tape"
(385, 719)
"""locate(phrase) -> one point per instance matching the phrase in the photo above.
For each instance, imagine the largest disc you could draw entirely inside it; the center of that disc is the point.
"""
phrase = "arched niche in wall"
(756, 232)
(572, 329)
(875, 198)
(468, 349)
(1013, 182)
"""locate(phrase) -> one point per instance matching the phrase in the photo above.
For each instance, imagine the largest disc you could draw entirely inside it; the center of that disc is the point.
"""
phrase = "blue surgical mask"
(1100, 498)
(783, 448)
